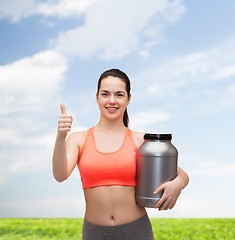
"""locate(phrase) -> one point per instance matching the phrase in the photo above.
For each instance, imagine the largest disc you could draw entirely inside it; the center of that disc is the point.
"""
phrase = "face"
(112, 97)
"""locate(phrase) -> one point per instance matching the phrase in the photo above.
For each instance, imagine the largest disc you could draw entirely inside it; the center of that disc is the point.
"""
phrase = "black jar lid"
(150, 136)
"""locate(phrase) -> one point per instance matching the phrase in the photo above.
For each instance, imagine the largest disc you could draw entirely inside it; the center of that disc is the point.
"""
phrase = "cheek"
(125, 102)
(122, 104)
(101, 101)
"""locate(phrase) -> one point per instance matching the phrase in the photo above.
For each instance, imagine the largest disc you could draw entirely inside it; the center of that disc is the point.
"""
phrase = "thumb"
(62, 107)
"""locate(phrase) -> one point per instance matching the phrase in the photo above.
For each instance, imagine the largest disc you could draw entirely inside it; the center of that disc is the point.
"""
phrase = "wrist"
(61, 135)
(179, 182)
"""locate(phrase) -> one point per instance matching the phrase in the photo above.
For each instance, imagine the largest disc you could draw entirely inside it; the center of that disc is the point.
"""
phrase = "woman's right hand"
(65, 122)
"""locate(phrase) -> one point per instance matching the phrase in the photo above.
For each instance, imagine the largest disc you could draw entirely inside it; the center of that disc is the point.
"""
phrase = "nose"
(112, 99)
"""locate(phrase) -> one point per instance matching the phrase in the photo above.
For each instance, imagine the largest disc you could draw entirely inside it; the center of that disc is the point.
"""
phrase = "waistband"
(141, 219)
(138, 229)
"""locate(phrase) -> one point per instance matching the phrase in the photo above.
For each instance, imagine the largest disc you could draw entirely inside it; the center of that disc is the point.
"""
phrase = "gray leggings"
(139, 229)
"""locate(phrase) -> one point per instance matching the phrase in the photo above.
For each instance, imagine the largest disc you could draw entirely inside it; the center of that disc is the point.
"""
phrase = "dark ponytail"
(126, 119)
(117, 73)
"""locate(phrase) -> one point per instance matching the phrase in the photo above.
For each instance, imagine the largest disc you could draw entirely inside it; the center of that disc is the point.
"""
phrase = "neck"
(109, 125)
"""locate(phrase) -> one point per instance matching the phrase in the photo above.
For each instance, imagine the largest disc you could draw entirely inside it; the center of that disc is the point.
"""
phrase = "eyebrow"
(102, 90)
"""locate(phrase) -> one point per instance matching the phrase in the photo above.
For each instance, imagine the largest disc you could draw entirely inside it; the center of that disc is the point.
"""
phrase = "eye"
(104, 94)
(120, 95)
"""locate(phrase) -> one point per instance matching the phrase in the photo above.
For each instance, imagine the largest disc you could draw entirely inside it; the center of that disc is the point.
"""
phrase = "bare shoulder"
(77, 138)
(138, 138)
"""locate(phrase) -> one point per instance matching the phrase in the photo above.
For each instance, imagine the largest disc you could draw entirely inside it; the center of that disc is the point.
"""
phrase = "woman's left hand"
(171, 191)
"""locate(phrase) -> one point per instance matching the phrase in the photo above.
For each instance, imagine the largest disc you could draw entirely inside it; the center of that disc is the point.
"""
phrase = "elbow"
(187, 179)
(59, 178)
(184, 177)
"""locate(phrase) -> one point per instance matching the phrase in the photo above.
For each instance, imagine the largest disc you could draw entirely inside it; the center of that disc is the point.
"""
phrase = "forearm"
(60, 165)
(60, 161)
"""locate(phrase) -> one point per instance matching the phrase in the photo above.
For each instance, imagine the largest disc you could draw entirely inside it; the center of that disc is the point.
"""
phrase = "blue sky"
(180, 57)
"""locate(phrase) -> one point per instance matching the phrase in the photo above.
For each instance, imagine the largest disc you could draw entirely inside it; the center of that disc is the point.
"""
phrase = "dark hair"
(117, 73)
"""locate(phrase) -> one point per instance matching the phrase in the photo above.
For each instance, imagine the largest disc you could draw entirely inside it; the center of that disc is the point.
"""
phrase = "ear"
(129, 99)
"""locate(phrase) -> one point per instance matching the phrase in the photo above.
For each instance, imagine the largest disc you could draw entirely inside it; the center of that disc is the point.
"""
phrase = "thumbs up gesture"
(65, 122)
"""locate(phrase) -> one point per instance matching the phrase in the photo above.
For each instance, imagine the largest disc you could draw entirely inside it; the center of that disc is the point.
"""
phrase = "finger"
(159, 206)
(172, 205)
(160, 202)
(62, 107)
(65, 118)
(173, 202)
(64, 130)
(65, 125)
(165, 205)
(159, 189)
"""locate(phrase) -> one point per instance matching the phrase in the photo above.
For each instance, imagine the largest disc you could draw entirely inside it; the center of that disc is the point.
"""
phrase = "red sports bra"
(102, 169)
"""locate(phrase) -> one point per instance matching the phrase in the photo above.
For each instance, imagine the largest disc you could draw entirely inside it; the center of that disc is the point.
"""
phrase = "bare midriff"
(111, 205)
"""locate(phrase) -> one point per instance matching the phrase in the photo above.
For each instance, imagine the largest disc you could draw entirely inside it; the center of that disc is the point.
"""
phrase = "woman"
(105, 155)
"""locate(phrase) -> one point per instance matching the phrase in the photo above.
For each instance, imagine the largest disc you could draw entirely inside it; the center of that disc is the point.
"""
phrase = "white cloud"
(19, 9)
(231, 89)
(198, 83)
(227, 98)
(64, 8)
(225, 71)
(208, 167)
(31, 81)
(69, 206)
(28, 89)
(217, 170)
(192, 70)
(113, 29)
(16, 10)
(144, 118)
(17, 161)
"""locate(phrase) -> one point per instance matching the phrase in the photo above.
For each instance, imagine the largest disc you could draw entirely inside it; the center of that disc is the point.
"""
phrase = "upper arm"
(138, 138)
(73, 146)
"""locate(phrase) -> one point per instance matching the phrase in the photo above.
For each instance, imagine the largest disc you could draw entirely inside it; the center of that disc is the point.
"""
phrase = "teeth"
(112, 108)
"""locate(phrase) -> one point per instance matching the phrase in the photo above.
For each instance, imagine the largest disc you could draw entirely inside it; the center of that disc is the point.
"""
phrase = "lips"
(112, 109)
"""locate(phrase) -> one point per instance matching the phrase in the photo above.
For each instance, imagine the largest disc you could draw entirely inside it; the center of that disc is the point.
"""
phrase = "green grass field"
(71, 228)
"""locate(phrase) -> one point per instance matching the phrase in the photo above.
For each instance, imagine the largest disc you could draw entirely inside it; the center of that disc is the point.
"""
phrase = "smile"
(112, 108)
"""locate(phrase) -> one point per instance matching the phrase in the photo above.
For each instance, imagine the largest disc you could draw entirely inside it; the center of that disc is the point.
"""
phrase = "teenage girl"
(105, 155)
